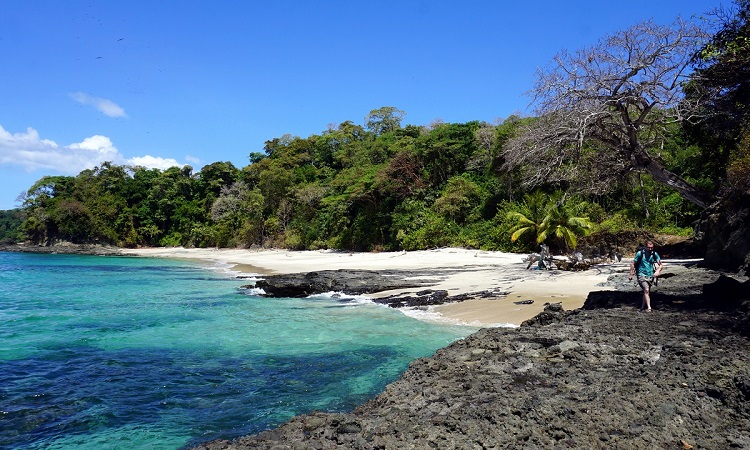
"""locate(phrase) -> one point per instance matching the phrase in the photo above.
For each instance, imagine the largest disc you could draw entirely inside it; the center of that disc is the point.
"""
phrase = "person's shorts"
(645, 282)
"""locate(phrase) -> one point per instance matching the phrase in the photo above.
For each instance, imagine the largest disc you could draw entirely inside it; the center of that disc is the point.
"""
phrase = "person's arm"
(637, 257)
(658, 267)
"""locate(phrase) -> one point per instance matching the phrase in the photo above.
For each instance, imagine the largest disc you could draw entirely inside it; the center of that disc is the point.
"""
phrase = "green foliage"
(375, 187)
(418, 227)
(384, 120)
(73, 219)
(239, 212)
(446, 150)
(676, 231)
(619, 222)
(562, 224)
(549, 219)
(738, 172)
(461, 200)
(433, 232)
(505, 222)
(10, 226)
(722, 84)
(528, 217)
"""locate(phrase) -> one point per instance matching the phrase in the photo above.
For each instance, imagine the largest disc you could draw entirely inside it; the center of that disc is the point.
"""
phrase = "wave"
(342, 297)
(429, 314)
(227, 268)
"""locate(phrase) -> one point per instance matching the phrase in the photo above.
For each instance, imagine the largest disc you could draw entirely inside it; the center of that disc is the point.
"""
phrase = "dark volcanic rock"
(429, 297)
(681, 287)
(356, 282)
(348, 281)
(724, 230)
(608, 378)
(599, 378)
(421, 298)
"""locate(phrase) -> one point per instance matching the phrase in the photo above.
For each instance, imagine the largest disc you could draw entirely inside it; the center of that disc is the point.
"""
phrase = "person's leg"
(646, 288)
(647, 299)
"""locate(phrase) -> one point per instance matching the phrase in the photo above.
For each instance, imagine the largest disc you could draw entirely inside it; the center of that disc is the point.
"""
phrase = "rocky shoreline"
(358, 282)
(603, 376)
(65, 248)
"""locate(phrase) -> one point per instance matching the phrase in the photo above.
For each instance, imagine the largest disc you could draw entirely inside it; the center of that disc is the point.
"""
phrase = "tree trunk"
(643, 197)
(685, 189)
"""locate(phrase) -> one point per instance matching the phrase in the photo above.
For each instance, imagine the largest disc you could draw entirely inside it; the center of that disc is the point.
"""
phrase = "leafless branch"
(614, 99)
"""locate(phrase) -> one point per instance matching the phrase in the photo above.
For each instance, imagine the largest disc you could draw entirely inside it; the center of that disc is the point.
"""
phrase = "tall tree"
(383, 120)
(610, 105)
(722, 82)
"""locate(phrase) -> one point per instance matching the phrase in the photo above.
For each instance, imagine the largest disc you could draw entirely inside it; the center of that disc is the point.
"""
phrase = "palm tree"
(562, 223)
(545, 217)
(529, 216)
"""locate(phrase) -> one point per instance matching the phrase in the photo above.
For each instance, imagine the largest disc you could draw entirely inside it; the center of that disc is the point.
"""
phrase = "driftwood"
(571, 262)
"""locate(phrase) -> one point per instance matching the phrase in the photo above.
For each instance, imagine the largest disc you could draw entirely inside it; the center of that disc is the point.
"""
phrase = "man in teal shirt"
(648, 265)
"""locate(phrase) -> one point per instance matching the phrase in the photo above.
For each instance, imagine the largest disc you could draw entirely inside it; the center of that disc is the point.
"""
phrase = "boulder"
(724, 231)
(353, 282)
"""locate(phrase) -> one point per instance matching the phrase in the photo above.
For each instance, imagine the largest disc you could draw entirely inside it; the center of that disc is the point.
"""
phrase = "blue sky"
(160, 83)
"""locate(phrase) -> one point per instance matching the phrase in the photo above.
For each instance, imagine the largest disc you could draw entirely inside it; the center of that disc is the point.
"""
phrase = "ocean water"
(139, 353)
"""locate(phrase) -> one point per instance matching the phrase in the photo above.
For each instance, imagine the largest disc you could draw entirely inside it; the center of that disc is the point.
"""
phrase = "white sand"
(473, 271)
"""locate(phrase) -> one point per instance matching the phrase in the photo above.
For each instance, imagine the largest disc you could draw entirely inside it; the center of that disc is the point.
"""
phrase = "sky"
(164, 83)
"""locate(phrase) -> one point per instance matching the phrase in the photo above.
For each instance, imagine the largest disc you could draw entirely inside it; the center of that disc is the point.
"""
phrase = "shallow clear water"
(107, 352)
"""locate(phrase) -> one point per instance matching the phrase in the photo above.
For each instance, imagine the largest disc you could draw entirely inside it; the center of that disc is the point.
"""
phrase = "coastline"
(603, 376)
(576, 365)
(457, 271)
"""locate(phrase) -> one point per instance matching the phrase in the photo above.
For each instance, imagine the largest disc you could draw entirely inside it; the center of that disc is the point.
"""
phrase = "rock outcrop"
(357, 282)
(353, 282)
(724, 231)
(607, 377)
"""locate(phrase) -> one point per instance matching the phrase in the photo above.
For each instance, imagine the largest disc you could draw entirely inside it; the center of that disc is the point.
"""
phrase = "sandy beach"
(472, 271)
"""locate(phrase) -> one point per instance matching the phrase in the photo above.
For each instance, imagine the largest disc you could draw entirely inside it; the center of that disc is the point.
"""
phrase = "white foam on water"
(342, 297)
(429, 314)
(227, 269)
(258, 292)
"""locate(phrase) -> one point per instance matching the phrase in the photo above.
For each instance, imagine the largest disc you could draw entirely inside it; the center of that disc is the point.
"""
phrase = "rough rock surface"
(429, 297)
(724, 231)
(352, 282)
(608, 377)
(357, 282)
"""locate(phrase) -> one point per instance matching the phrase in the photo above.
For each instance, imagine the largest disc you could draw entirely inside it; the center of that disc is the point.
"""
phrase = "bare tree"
(604, 111)
(485, 138)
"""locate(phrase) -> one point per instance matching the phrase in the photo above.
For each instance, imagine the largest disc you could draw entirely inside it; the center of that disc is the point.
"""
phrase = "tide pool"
(109, 352)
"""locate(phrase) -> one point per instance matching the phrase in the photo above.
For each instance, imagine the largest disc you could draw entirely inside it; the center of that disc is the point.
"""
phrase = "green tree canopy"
(384, 120)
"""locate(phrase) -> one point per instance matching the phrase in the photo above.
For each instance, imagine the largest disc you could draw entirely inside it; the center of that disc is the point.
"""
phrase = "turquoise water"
(112, 353)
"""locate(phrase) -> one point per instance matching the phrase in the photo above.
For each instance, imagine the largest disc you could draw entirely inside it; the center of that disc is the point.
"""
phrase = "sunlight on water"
(99, 352)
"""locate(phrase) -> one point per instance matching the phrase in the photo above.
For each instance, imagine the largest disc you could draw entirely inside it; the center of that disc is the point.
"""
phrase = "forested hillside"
(379, 186)
(637, 132)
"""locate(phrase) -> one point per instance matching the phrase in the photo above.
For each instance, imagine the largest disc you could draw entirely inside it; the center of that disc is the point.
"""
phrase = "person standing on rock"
(647, 266)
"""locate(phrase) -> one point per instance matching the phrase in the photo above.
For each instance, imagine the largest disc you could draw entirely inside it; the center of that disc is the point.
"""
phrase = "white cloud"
(153, 162)
(193, 160)
(32, 153)
(103, 105)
